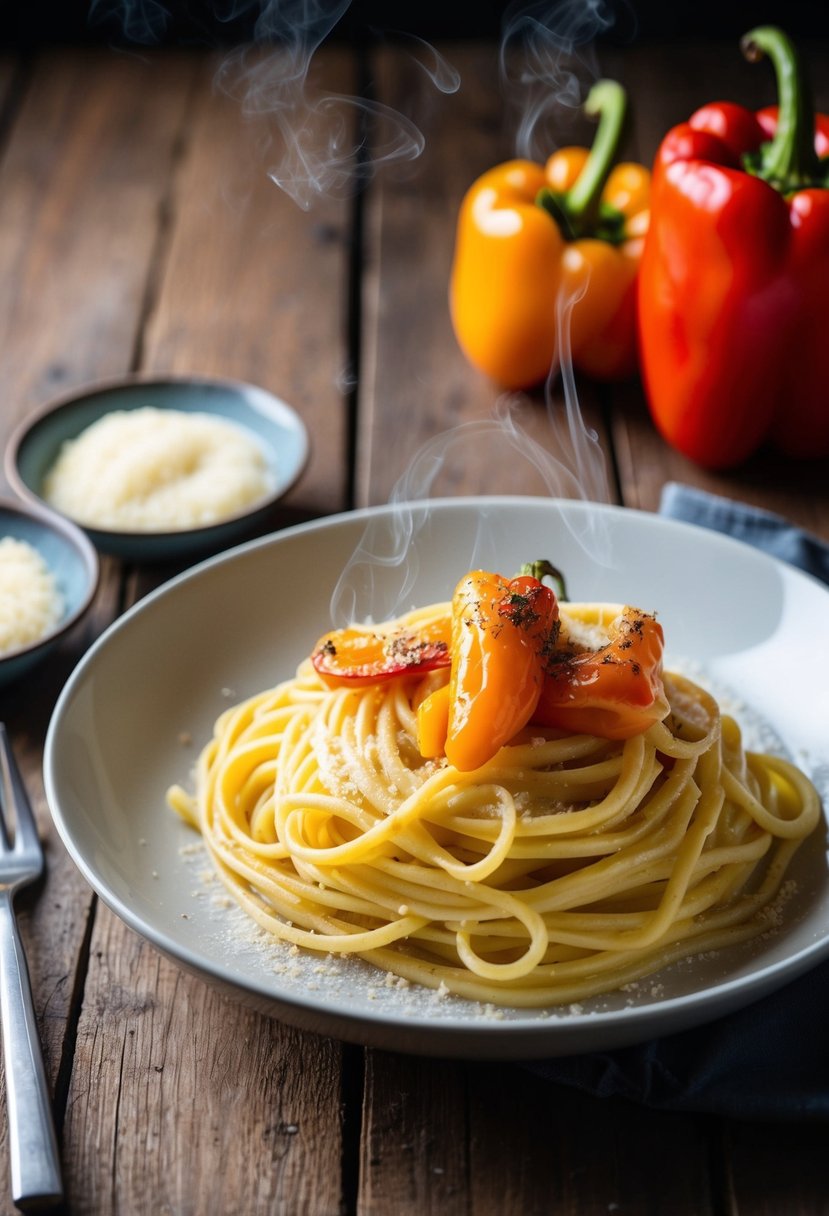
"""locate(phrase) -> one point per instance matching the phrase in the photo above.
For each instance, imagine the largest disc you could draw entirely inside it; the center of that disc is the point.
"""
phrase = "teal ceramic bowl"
(72, 560)
(274, 426)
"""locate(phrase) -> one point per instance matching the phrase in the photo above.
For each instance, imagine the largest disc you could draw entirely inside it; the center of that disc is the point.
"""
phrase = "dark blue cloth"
(770, 1060)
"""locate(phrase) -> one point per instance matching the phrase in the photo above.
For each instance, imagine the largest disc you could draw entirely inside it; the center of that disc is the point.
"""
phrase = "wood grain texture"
(251, 287)
(486, 1138)
(576, 1155)
(414, 1145)
(82, 178)
(183, 1102)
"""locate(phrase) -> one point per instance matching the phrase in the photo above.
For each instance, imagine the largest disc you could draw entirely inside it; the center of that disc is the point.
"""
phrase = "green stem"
(607, 102)
(579, 211)
(542, 569)
(788, 161)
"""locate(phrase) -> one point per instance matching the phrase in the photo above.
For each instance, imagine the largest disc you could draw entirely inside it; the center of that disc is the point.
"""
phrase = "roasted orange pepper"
(502, 632)
(433, 722)
(499, 661)
(536, 243)
(615, 691)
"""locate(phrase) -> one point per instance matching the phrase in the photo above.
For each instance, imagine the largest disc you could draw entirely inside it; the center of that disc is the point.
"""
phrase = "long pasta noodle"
(564, 867)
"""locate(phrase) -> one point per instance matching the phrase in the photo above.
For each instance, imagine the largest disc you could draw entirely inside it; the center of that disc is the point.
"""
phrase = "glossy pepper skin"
(614, 692)
(546, 249)
(502, 631)
(357, 658)
(733, 283)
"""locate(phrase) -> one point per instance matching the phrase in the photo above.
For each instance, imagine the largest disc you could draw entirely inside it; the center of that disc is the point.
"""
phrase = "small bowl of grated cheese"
(160, 469)
(49, 573)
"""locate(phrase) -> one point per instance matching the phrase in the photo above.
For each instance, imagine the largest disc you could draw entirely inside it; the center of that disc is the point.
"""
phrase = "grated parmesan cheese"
(30, 603)
(156, 470)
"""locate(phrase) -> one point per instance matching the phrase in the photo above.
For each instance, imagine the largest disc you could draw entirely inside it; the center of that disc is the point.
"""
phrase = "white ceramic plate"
(243, 620)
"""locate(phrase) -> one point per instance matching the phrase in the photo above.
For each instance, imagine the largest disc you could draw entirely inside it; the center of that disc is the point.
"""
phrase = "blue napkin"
(767, 1061)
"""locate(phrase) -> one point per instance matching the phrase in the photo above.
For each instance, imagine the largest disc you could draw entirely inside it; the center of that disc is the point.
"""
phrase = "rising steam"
(387, 543)
(547, 58)
(325, 144)
(552, 44)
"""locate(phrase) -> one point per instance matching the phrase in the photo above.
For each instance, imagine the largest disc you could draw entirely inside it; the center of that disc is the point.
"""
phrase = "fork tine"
(26, 838)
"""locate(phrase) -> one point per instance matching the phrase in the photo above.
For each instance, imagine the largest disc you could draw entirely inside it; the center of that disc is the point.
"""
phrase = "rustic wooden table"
(140, 232)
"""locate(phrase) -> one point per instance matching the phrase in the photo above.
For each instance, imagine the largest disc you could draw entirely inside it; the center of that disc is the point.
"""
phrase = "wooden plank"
(664, 89)
(249, 287)
(778, 1168)
(254, 288)
(518, 1155)
(84, 167)
(83, 174)
(413, 1163)
(184, 1102)
(575, 1155)
(416, 386)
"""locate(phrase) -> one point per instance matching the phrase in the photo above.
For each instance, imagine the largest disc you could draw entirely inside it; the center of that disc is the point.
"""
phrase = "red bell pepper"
(733, 304)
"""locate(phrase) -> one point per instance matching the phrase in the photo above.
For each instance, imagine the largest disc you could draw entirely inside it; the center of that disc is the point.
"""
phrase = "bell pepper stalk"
(614, 691)
(732, 287)
(532, 239)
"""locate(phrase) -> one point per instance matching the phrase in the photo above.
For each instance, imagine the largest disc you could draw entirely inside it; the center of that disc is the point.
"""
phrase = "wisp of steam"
(547, 56)
(556, 58)
(325, 144)
(387, 542)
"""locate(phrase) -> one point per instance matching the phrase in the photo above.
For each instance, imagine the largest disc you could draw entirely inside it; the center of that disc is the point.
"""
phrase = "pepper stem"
(579, 210)
(606, 101)
(789, 160)
(542, 569)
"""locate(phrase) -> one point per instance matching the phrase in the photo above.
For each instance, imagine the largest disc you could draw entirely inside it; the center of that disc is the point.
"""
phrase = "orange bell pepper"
(533, 239)
(615, 691)
(502, 632)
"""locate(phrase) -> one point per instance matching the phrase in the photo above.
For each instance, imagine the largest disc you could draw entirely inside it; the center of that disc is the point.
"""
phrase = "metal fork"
(35, 1167)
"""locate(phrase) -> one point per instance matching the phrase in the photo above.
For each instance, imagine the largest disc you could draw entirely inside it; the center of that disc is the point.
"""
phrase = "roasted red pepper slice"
(359, 657)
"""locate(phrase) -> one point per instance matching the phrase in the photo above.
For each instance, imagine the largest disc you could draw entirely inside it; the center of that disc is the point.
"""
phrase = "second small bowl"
(274, 426)
(72, 562)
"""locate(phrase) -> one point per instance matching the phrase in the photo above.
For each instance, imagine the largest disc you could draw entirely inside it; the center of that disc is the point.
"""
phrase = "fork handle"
(35, 1165)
